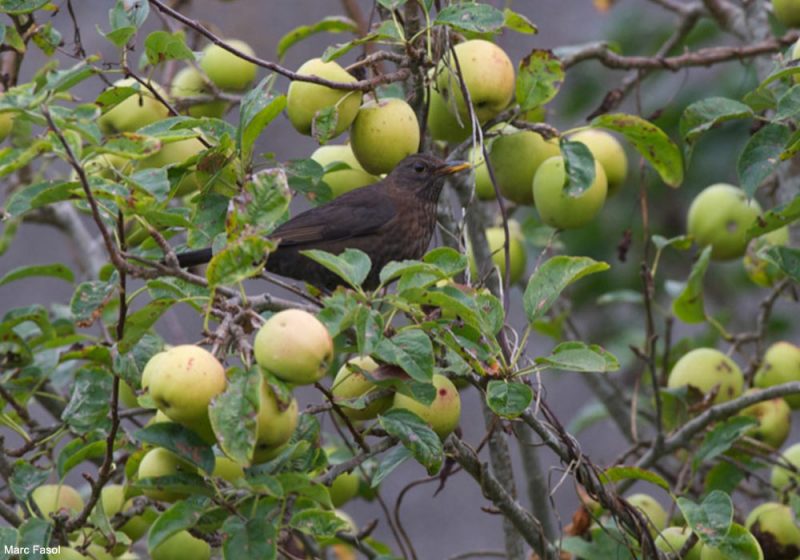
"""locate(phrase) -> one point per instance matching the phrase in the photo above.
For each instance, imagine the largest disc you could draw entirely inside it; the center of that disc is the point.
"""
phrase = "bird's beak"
(453, 167)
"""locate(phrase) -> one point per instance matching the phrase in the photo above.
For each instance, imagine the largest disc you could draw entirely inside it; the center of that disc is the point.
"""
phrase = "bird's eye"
(419, 167)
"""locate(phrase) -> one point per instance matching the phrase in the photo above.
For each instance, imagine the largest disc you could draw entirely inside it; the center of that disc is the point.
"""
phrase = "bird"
(392, 219)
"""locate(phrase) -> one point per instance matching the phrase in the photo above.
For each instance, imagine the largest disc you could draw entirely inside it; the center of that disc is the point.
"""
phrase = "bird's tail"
(193, 258)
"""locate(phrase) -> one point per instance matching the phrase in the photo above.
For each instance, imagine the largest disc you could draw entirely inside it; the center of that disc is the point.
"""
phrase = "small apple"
(652, 510)
(342, 180)
(443, 414)
(276, 422)
(350, 383)
(781, 365)
(227, 469)
(136, 111)
(609, 152)
(443, 124)
(785, 479)
(488, 75)
(776, 529)
(304, 99)
(762, 272)
(175, 153)
(559, 209)
(180, 546)
(162, 462)
(516, 157)
(294, 346)
(483, 182)
(720, 216)
(228, 71)
(707, 369)
(774, 420)
(496, 237)
(383, 134)
(787, 12)
(51, 498)
(740, 534)
(137, 526)
(188, 83)
(344, 488)
(672, 539)
(184, 383)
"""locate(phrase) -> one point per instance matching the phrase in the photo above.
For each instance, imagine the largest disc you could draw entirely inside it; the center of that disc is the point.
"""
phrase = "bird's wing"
(344, 218)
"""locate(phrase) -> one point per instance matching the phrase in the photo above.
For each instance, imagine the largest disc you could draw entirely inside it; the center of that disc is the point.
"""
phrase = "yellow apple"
(51, 498)
(559, 209)
(720, 216)
(342, 180)
(496, 237)
(516, 157)
(708, 369)
(227, 70)
(775, 528)
(162, 462)
(227, 469)
(6, 124)
(383, 134)
(350, 384)
(672, 539)
(181, 546)
(189, 83)
(344, 488)
(136, 111)
(609, 152)
(276, 422)
(652, 510)
(784, 479)
(443, 414)
(483, 182)
(781, 365)
(443, 124)
(774, 420)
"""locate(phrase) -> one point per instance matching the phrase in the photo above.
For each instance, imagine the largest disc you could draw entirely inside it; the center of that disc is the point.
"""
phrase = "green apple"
(740, 535)
(443, 124)
(227, 469)
(51, 498)
(184, 383)
(127, 396)
(488, 75)
(180, 546)
(787, 12)
(136, 111)
(707, 370)
(113, 498)
(108, 166)
(776, 530)
(304, 99)
(496, 237)
(294, 346)
(559, 209)
(383, 134)
(6, 124)
(774, 420)
(175, 153)
(483, 182)
(162, 462)
(720, 216)
(652, 510)
(344, 488)
(784, 479)
(276, 422)
(228, 71)
(443, 414)
(609, 152)
(516, 157)
(672, 539)
(137, 526)
(350, 383)
(759, 270)
(188, 83)
(781, 364)
(67, 553)
(341, 181)
(151, 366)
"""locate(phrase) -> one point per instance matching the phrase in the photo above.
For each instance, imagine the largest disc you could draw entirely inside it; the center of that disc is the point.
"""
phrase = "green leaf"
(738, 544)
(330, 24)
(258, 108)
(579, 167)
(18, 7)
(577, 356)
(352, 265)
(479, 18)
(508, 399)
(89, 298)
(35, 533)
(681, 242)
(703, 115)
(89, 405)
(139, 322)
(305, 175)
(180, 516)
(787, 259)
(724, 477)
(776, 218)
(411, 350)
(240, 260)
(77, 451)
(789, 104)
(323, 125)
(689, 306)
(393, 459)
(131, 145)
(518, 22)
(181, 482)
(722, 438)
(761, 156)
(650, 141)
(539, 78)
(551, 278)
(233, 414)
(265, 199)
(608, 543)
(587, 416)
(615, 474)
(160, 46)
(711, 519)
(449, 261)
(180, 440)
(25, 479)
(318, 523)
(249, 539)
(56, 270)
(416, 435)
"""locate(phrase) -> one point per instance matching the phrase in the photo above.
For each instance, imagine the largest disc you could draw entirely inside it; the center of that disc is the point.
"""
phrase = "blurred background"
(454, 520)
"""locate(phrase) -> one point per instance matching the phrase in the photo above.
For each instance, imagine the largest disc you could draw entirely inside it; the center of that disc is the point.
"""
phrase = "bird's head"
(424, 174)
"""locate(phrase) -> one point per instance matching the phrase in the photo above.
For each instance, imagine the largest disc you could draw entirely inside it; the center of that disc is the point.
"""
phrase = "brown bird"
(391, 220)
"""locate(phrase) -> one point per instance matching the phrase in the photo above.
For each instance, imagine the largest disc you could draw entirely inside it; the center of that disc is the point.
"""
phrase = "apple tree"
(627, 221)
